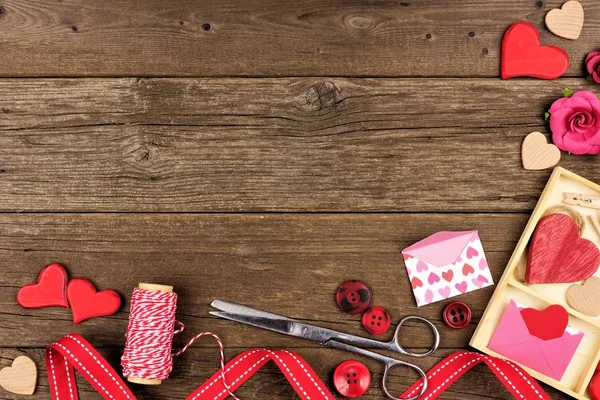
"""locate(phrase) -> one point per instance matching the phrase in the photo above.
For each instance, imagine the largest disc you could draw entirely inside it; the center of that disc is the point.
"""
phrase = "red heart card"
(557, 254)
(87, 303)
(522, 55)
(49, 291)
(548, 324)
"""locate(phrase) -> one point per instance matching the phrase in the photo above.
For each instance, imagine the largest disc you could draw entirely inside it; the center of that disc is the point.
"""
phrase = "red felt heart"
(49, 291)
(522, 55)
(548, 324)
(557, 254)
(86, 302)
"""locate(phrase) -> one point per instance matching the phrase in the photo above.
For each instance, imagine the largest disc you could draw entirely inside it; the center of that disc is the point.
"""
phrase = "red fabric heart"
(548, 324)
(522, 55)
(557, 254)
(49, 291)
(86, 302)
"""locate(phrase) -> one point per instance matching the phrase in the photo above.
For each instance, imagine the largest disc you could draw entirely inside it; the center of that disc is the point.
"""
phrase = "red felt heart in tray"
(557, 254)
(548, 324)
(86, 302)
(522, 55)
(49, 291)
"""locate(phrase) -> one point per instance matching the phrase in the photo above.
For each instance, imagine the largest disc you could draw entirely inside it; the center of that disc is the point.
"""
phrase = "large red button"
(457, 315)
(353, 297)
(376, 320)
(351, 379)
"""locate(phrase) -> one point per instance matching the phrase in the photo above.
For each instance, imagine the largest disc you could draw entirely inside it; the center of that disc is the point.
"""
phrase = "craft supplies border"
(489, 319)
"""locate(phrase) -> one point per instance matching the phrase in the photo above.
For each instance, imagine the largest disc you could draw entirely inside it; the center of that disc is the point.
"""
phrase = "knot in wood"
(322, 95)
(359, 22)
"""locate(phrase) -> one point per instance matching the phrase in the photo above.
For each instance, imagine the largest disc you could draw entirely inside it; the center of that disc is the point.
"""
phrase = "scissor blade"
(238, 309)
(276, 325)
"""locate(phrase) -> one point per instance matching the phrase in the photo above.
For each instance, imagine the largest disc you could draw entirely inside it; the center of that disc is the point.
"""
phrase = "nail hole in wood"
(428, 36)
(471, 34)
(539, 3)
(206, 27)
(180, 22)
(484, 51)
(74, 28)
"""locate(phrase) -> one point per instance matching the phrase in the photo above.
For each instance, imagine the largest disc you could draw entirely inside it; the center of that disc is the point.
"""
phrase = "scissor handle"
(396, 340)
(398, 363)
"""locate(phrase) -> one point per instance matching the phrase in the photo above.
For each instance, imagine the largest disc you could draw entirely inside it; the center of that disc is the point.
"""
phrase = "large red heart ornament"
(548, 324)
(87, 303)
(557, 254)
(522, 55)
(49, 291)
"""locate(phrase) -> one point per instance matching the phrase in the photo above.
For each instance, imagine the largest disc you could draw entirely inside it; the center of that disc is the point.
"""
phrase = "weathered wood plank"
(271, 38)
(289, 264)
(198, 364)
(316, 144)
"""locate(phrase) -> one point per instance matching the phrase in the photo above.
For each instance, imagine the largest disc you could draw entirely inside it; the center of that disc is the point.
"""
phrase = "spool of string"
(148, 355)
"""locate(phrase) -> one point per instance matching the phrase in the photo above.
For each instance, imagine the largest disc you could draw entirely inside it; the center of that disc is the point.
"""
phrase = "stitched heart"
(586, 298)
(522, 55)
(444, 292)
(416, 282)
(20, 377)
(421, 266)
(467, 269)
(49, 291)
(566, 21)
(548, 324)
(483, 264)
(428, 296)
(472, 252)
(557, 254)
(448, 275)
(86, 302)
(537, 153)
(433, 278)
(461, 287)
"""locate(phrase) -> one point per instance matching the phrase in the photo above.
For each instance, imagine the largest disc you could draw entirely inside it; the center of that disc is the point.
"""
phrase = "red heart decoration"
(49, 291)
(86, 302)
(557, 254)
(448, 275)
(548, 324)
(467, 269)
(416, 282)
(522, 55)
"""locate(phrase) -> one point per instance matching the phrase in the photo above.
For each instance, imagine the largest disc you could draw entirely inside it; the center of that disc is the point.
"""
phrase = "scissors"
(331, 338)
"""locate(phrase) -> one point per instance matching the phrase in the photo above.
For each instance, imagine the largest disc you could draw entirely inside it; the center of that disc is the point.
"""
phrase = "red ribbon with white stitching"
(449, 370)
(74, 352)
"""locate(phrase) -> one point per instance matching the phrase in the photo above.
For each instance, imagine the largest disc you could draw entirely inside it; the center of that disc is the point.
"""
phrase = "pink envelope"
(446, 264)
(513, 340)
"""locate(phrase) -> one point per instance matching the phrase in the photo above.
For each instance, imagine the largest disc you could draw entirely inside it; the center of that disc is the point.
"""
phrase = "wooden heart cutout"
(49, 291)
(548, 324)
(537, 153)
(557, 253)
(566, 21)
(21, 377)
(586, 298)
(87, 303)
(522, 55)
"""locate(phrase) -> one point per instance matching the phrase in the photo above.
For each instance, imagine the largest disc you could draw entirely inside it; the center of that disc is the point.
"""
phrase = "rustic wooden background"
(262, 151)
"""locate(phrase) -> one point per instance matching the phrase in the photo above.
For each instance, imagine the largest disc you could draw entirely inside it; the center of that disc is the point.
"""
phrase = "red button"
(376, 320)
(351, 379)
(353, 297)
(457, 315)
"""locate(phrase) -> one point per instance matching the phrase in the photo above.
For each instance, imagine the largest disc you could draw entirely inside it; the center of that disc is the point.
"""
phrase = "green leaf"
(568, 92)
(546, 116)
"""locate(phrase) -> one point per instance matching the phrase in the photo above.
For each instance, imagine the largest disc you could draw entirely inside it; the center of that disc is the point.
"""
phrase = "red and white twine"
(149, 339)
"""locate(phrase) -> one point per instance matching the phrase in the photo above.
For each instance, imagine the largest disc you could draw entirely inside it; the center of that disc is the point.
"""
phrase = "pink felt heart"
(461, 287)
(433, 278)
(444, 292)
(557, 253)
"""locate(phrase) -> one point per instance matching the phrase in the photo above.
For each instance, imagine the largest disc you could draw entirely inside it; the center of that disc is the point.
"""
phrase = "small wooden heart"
(21, 377)
(567, 21)
(537, 153)
(586, 298)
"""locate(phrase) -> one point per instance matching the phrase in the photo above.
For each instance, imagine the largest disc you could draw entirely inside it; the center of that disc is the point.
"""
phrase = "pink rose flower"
(592, 63)
(575, 123)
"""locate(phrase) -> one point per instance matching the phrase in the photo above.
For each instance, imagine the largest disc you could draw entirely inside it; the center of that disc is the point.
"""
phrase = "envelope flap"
(559, 352)
(441, 248)
(511, 329)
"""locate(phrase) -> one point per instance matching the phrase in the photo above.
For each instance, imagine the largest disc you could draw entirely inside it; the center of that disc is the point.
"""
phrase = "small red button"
(351, 379)
(353, 297)
(457, 315)
(376, 320)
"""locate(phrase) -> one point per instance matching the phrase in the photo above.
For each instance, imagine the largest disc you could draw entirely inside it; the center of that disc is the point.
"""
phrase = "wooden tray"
(576, 379)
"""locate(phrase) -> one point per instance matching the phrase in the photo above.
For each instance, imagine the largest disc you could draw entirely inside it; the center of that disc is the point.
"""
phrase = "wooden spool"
(156, 288)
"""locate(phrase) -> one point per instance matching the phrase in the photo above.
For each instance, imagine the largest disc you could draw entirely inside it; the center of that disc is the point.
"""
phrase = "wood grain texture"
(302, 258)
(271, 37)
(315, 144)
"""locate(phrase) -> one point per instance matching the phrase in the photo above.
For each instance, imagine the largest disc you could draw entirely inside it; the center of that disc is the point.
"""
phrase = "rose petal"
(592, 63)
(596, 77)
(558, 104)
(590, 55)
(594, 150)
(575, 143)
(559, 123)
(585, 94)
